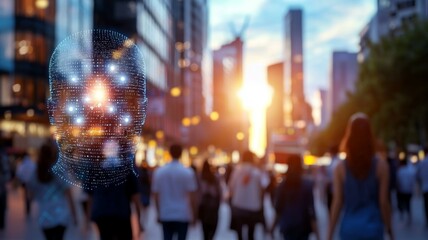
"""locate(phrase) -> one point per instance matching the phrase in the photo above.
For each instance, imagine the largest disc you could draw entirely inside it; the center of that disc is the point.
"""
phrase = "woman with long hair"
(53, 196)
(294, 203)
(210, 198)
(360, 186)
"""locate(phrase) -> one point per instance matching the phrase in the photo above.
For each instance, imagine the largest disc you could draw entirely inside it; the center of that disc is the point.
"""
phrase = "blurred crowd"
(363, 188)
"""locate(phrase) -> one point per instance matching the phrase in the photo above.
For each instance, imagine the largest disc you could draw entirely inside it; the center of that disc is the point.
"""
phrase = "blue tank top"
(361, 216)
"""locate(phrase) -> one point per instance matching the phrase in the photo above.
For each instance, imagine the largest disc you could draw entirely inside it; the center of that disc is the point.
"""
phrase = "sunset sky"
(328, 25)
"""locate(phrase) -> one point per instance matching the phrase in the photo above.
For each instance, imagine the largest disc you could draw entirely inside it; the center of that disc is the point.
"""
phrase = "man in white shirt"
(422, 175)
(174, 188)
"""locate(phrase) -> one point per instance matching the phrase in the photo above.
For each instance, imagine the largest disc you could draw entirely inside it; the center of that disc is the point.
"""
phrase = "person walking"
(246, 191)
(4, 179)
(294, 204)
(53, 196)
(110, 208)
(406, 180)
(24, 171)
(360, 187)
(334, 151)
(210, 198)
(422, 176)
(174, 190)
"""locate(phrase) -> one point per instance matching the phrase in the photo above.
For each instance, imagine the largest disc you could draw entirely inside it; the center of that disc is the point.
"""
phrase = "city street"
(18, 227)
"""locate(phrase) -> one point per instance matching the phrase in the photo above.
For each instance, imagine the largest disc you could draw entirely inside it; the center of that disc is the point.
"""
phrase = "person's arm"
(338, 178)
(312, 213)
(88, 210)
(69, 197)
(193, 206)
(135, 199)
(156, 198)
(383, 176)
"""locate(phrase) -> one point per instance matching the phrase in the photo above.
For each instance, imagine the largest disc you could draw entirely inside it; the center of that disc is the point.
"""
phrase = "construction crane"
(238, 34)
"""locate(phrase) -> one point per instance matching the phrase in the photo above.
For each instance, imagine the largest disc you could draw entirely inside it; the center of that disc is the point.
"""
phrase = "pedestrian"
(4, 179)
(210, 198)
(145, 189)
(392, 166)
(174, 189)
(53, 196)
(334, 151)
(110, 208)
(24, 171)
(406, 180)
(246, 192)
(294, 203)
(422, 176)
(360, 186)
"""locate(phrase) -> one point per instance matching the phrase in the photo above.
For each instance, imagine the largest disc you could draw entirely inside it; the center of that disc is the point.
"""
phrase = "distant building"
(297, 109)
(391, 15)
(227, 80)
(190, 27)
(344, 74)
(320, 108)
(275, 112)
(29, 32)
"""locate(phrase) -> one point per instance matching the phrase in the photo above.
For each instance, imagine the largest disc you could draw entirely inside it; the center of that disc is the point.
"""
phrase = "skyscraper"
(297, 109)
(190, 27)
(344, 74)
(227, 80)
(275, 112)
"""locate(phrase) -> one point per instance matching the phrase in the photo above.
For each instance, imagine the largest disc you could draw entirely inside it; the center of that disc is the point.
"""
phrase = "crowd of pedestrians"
(364, 188)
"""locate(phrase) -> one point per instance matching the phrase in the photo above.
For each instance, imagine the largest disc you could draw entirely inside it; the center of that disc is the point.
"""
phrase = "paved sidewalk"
(20, 228)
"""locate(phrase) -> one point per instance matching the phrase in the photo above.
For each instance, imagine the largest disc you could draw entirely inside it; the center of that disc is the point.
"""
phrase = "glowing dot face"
(99, 101)
(99, 93)
(112, 68)
(79, 120)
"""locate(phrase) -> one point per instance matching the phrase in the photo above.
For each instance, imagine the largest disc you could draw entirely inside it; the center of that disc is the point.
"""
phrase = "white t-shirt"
(173, 183)
(246, 187)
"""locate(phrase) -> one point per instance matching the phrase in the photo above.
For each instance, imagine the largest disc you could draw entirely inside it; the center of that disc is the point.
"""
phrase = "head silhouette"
(97, 105)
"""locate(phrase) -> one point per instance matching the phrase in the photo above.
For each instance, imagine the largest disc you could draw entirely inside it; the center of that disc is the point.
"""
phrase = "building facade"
(344, 74)
(275, 112)
(390, 16)
(297, 109)
(227, 80)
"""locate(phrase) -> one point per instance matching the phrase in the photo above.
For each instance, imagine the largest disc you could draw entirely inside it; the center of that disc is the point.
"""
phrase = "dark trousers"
(404, 202)
(55, 233)
(3, 206)
(426, 207)
(295, 236)
(172, 228)
(112, 228)
(209, 230)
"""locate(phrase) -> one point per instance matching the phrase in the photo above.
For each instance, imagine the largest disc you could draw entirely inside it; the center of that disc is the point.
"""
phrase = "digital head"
(97, 105)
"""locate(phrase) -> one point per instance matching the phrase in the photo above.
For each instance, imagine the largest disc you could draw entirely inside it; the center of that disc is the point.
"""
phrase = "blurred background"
(278, 77)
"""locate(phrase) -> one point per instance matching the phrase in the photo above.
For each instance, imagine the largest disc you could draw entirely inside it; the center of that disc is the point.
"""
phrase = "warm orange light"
(240, 136)
(159, 134)
(193, 150)
(186, 122)
(214, 116)
(175, 91)
(99, 93)
(42, 4)
(255, 95)
(195, 120)
(95, 131)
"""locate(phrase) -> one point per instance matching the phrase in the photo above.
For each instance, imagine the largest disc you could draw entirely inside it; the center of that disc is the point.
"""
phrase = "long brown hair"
(46, 160)
(359, 145)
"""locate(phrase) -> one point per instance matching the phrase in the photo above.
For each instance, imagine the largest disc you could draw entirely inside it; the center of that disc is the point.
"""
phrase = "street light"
(214, 116)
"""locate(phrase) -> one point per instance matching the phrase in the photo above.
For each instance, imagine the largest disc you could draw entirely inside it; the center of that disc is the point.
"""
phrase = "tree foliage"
(392, 89)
